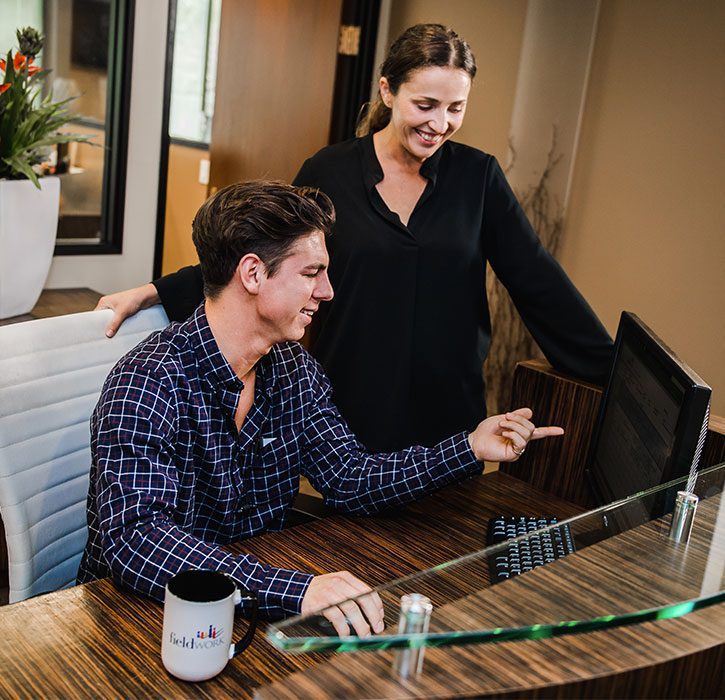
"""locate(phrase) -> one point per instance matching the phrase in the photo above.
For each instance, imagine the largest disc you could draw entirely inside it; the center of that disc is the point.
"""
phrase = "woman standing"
(418, 217)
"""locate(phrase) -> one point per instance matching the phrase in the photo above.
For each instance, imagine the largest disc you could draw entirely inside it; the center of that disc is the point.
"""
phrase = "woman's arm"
(127, 303)
(563, 324)
(180, 293)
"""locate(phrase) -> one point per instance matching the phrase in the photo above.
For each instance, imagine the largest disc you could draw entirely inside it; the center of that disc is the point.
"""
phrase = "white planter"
(28, 224)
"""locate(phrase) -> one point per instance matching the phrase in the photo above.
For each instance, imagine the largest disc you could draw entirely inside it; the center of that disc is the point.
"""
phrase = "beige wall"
(494, 30)
(645, 226)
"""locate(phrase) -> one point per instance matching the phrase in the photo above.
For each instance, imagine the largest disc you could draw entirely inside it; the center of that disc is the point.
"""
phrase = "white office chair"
(51, 374)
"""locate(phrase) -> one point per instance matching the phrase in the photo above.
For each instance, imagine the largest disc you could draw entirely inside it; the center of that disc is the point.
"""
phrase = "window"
(88, 48)
(196, 41)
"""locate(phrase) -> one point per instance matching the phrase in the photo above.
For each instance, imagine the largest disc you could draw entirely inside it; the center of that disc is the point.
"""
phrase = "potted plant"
(29, 128)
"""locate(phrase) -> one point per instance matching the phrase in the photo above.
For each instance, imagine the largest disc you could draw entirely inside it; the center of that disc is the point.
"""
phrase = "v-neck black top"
(405, 336)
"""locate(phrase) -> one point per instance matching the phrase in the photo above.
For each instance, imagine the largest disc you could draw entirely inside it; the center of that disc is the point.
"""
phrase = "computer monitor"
(652, 418)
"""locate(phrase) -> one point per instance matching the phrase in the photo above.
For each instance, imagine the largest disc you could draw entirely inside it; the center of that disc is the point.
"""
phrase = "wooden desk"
(96, 640)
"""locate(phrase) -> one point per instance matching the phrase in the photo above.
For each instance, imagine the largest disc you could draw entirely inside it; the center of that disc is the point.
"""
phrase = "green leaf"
(22, 166)
(62, 138)
(30, 123)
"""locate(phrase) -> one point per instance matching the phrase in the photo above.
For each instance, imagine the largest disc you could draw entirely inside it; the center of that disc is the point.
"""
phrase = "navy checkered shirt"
(172, 480)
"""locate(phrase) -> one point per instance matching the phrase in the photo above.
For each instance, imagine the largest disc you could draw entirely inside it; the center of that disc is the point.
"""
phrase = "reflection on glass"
(626, 569)
(76, 47)
(196, 42)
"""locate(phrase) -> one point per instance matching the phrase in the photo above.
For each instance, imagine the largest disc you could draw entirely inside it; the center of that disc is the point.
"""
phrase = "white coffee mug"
(196, 641)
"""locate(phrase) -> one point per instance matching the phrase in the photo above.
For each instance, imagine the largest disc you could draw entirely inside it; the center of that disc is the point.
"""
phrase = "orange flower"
(3, 87)
(20, 62)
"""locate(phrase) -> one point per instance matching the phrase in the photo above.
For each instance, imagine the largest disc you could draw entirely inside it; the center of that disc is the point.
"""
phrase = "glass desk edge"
(287, 635)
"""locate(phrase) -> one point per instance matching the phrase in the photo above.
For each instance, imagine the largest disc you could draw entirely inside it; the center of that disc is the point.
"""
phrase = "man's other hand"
(328, 594)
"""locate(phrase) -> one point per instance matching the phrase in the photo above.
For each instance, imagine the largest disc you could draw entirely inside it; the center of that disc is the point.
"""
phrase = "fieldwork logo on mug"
(207, 639)
(212, 633)
(199, 608)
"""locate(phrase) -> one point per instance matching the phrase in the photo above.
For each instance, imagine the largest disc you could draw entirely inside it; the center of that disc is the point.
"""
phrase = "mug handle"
(247, 596)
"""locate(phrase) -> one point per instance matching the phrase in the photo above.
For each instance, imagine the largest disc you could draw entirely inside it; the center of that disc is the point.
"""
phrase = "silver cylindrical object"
(683, 516)
(415, 612)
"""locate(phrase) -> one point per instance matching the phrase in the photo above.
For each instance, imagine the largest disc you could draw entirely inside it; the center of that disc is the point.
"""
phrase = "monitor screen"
(651, 417)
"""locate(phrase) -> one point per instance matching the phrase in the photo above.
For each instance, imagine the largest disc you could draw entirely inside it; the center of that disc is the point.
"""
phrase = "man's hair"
(260, 217)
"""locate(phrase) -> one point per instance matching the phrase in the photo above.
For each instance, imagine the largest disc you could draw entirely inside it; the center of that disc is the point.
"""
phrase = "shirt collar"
(373, 171)
(213, 364)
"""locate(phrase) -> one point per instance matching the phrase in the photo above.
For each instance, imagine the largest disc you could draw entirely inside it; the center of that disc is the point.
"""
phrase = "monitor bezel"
(634, 331)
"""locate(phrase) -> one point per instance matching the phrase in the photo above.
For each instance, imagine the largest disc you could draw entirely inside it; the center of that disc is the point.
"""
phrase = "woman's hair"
(261, 217)
(417, 47)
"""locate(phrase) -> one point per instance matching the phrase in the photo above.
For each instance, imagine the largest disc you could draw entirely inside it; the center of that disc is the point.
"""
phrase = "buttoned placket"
(249, 443)
(226, 393)
(373, 174)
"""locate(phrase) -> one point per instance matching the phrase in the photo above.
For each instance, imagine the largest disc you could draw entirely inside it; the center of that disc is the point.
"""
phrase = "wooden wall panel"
(184, 196)
(274, 89)
(557, 465)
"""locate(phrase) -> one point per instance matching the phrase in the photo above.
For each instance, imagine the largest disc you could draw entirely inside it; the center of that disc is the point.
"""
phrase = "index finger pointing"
(548, 431)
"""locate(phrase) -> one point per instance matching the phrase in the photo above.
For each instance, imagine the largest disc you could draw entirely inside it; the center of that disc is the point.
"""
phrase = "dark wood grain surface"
(638, 569)
(558, 466)
(98, 641)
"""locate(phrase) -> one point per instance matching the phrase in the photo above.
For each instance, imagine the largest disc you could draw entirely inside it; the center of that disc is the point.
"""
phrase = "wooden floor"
(57, 302)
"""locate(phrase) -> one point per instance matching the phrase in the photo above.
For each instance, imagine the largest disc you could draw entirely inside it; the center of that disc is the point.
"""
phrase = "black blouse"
(405, 336)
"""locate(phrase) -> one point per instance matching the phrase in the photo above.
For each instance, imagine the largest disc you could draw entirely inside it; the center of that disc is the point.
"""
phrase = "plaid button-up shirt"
(172, 480)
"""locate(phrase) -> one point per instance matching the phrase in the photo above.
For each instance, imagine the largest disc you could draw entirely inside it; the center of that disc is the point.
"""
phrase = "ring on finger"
(518, 453)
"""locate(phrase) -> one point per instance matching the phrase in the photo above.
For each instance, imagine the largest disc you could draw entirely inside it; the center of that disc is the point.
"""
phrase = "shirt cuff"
(458, 456)
(281, 592)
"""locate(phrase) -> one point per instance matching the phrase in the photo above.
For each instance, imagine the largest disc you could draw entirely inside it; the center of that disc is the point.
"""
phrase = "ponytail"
(374, 116)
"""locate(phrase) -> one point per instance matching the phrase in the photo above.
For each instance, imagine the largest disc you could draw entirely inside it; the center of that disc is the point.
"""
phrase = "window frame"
(118, 104)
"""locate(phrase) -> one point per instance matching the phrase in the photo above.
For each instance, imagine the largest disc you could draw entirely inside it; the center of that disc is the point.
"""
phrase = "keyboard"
(527, 554)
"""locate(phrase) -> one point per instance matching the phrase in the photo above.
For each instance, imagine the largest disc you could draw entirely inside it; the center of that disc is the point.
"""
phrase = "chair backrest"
(51, 374)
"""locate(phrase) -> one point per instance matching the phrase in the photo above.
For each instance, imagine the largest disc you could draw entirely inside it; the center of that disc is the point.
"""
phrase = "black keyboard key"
(536, 550)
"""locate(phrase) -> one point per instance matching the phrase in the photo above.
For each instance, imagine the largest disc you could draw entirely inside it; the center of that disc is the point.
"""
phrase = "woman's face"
(428, 108)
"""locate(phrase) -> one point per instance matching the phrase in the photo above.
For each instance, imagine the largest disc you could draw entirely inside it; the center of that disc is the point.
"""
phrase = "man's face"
(288, 299)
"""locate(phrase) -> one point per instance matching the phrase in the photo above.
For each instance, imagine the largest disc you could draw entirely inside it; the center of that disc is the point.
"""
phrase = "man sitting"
(202, 431)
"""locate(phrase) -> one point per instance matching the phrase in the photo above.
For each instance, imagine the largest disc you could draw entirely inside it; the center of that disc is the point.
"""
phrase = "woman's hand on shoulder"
(504, 438)
(127, 303)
